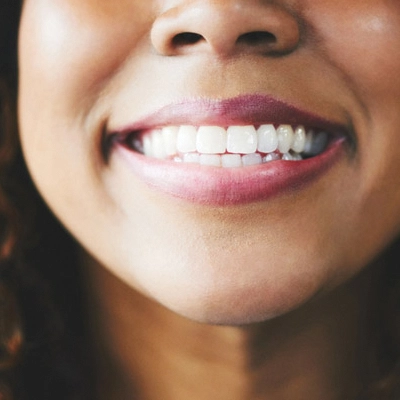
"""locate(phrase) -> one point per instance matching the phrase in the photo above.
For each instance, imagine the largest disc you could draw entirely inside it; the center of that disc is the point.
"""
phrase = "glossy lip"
(219, 186)
(254, 109)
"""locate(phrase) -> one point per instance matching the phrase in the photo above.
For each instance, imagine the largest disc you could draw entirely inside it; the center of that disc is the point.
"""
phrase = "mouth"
(234, 151)
(229, 147)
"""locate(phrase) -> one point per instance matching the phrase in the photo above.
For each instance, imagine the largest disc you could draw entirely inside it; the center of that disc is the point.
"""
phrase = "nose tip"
(225, 28)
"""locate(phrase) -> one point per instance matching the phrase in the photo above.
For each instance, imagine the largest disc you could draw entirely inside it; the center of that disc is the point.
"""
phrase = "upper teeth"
(234, 146)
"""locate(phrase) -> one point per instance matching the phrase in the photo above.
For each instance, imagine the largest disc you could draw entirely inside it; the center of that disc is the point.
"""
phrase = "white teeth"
(267, 139)
(287, 157)
(170, 135)
(235, 146)
(148, 146)
(191, 158)
(252, 159)
(285, 138)
(271, 157)
(186, 140)
(231, 160)
(299, 139)
(242, 139)
(211, 140)
(158, 145)
(213, 160)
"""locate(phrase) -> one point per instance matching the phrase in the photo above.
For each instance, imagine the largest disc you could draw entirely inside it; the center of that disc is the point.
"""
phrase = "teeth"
(211, 140)
(285, 138)
(252, 159)
(170, 136)
(235, 146)
(148, 146)
(186, 139)
(231, 160)
(299, 139)
(267, 139)
(158, 145)
(271, 157)
(242, 139)
(191, 158)
(213, 160)
(308, 142)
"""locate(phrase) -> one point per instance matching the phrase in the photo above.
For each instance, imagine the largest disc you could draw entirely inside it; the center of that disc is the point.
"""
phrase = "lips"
(231, 133)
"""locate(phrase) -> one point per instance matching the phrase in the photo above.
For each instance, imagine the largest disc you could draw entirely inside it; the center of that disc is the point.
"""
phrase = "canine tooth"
(158, 145)
(285, 138)
(271, 157)
(210, 159)
(252, 159)
(242, 139)
(186, 139)
(170, 135)
(319, 143)
(191, 158)
(211, 140)
(231, 160)
(299, 139)
(147, 146)
(267, 139)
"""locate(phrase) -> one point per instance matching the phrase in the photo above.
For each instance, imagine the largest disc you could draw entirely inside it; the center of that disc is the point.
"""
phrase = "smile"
(235, 146)
(207, 152)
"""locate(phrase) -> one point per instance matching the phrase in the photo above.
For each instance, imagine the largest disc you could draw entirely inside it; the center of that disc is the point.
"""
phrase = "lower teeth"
(234, 160)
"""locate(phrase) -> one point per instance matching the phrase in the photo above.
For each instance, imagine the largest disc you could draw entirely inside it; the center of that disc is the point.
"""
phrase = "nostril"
(186, 38)
(256, 38)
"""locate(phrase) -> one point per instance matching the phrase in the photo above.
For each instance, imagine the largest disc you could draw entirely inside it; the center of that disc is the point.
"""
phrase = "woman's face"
(100, 80)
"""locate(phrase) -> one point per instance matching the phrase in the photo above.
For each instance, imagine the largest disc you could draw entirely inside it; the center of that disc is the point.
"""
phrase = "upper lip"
(253, 109)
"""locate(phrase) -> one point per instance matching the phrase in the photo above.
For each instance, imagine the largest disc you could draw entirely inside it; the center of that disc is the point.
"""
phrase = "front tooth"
(267, 139)
(211, 140)
(158, 145)
(242, 139)
(299, 139)
(213, 160)
(231, 160)
(186, 139)
(252, 159)
(170, 135)
(285, 138)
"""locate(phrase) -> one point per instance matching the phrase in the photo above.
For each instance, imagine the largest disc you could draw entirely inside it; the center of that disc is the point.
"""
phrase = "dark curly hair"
(42, 330)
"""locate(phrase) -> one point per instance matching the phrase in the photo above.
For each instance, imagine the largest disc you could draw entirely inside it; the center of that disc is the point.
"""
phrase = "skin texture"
(87, 64)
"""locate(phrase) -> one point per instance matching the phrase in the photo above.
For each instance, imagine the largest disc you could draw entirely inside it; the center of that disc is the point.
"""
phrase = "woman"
(229, 170)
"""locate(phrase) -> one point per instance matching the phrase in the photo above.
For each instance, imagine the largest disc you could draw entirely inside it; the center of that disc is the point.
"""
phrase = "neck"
(313, 352)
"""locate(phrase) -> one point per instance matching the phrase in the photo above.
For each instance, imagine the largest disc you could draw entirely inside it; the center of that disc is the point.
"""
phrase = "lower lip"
(217, 186)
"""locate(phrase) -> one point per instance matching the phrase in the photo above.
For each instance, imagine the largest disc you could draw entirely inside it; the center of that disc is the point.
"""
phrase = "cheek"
(363, 41)
(69, 50)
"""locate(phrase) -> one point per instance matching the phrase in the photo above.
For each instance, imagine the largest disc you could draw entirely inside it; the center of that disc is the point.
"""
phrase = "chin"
(232, 298)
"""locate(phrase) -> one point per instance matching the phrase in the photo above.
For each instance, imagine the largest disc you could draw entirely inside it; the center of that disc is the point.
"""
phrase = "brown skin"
(84, 63)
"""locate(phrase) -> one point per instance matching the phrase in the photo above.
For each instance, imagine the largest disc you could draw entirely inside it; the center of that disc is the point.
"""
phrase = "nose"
(226, 28)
